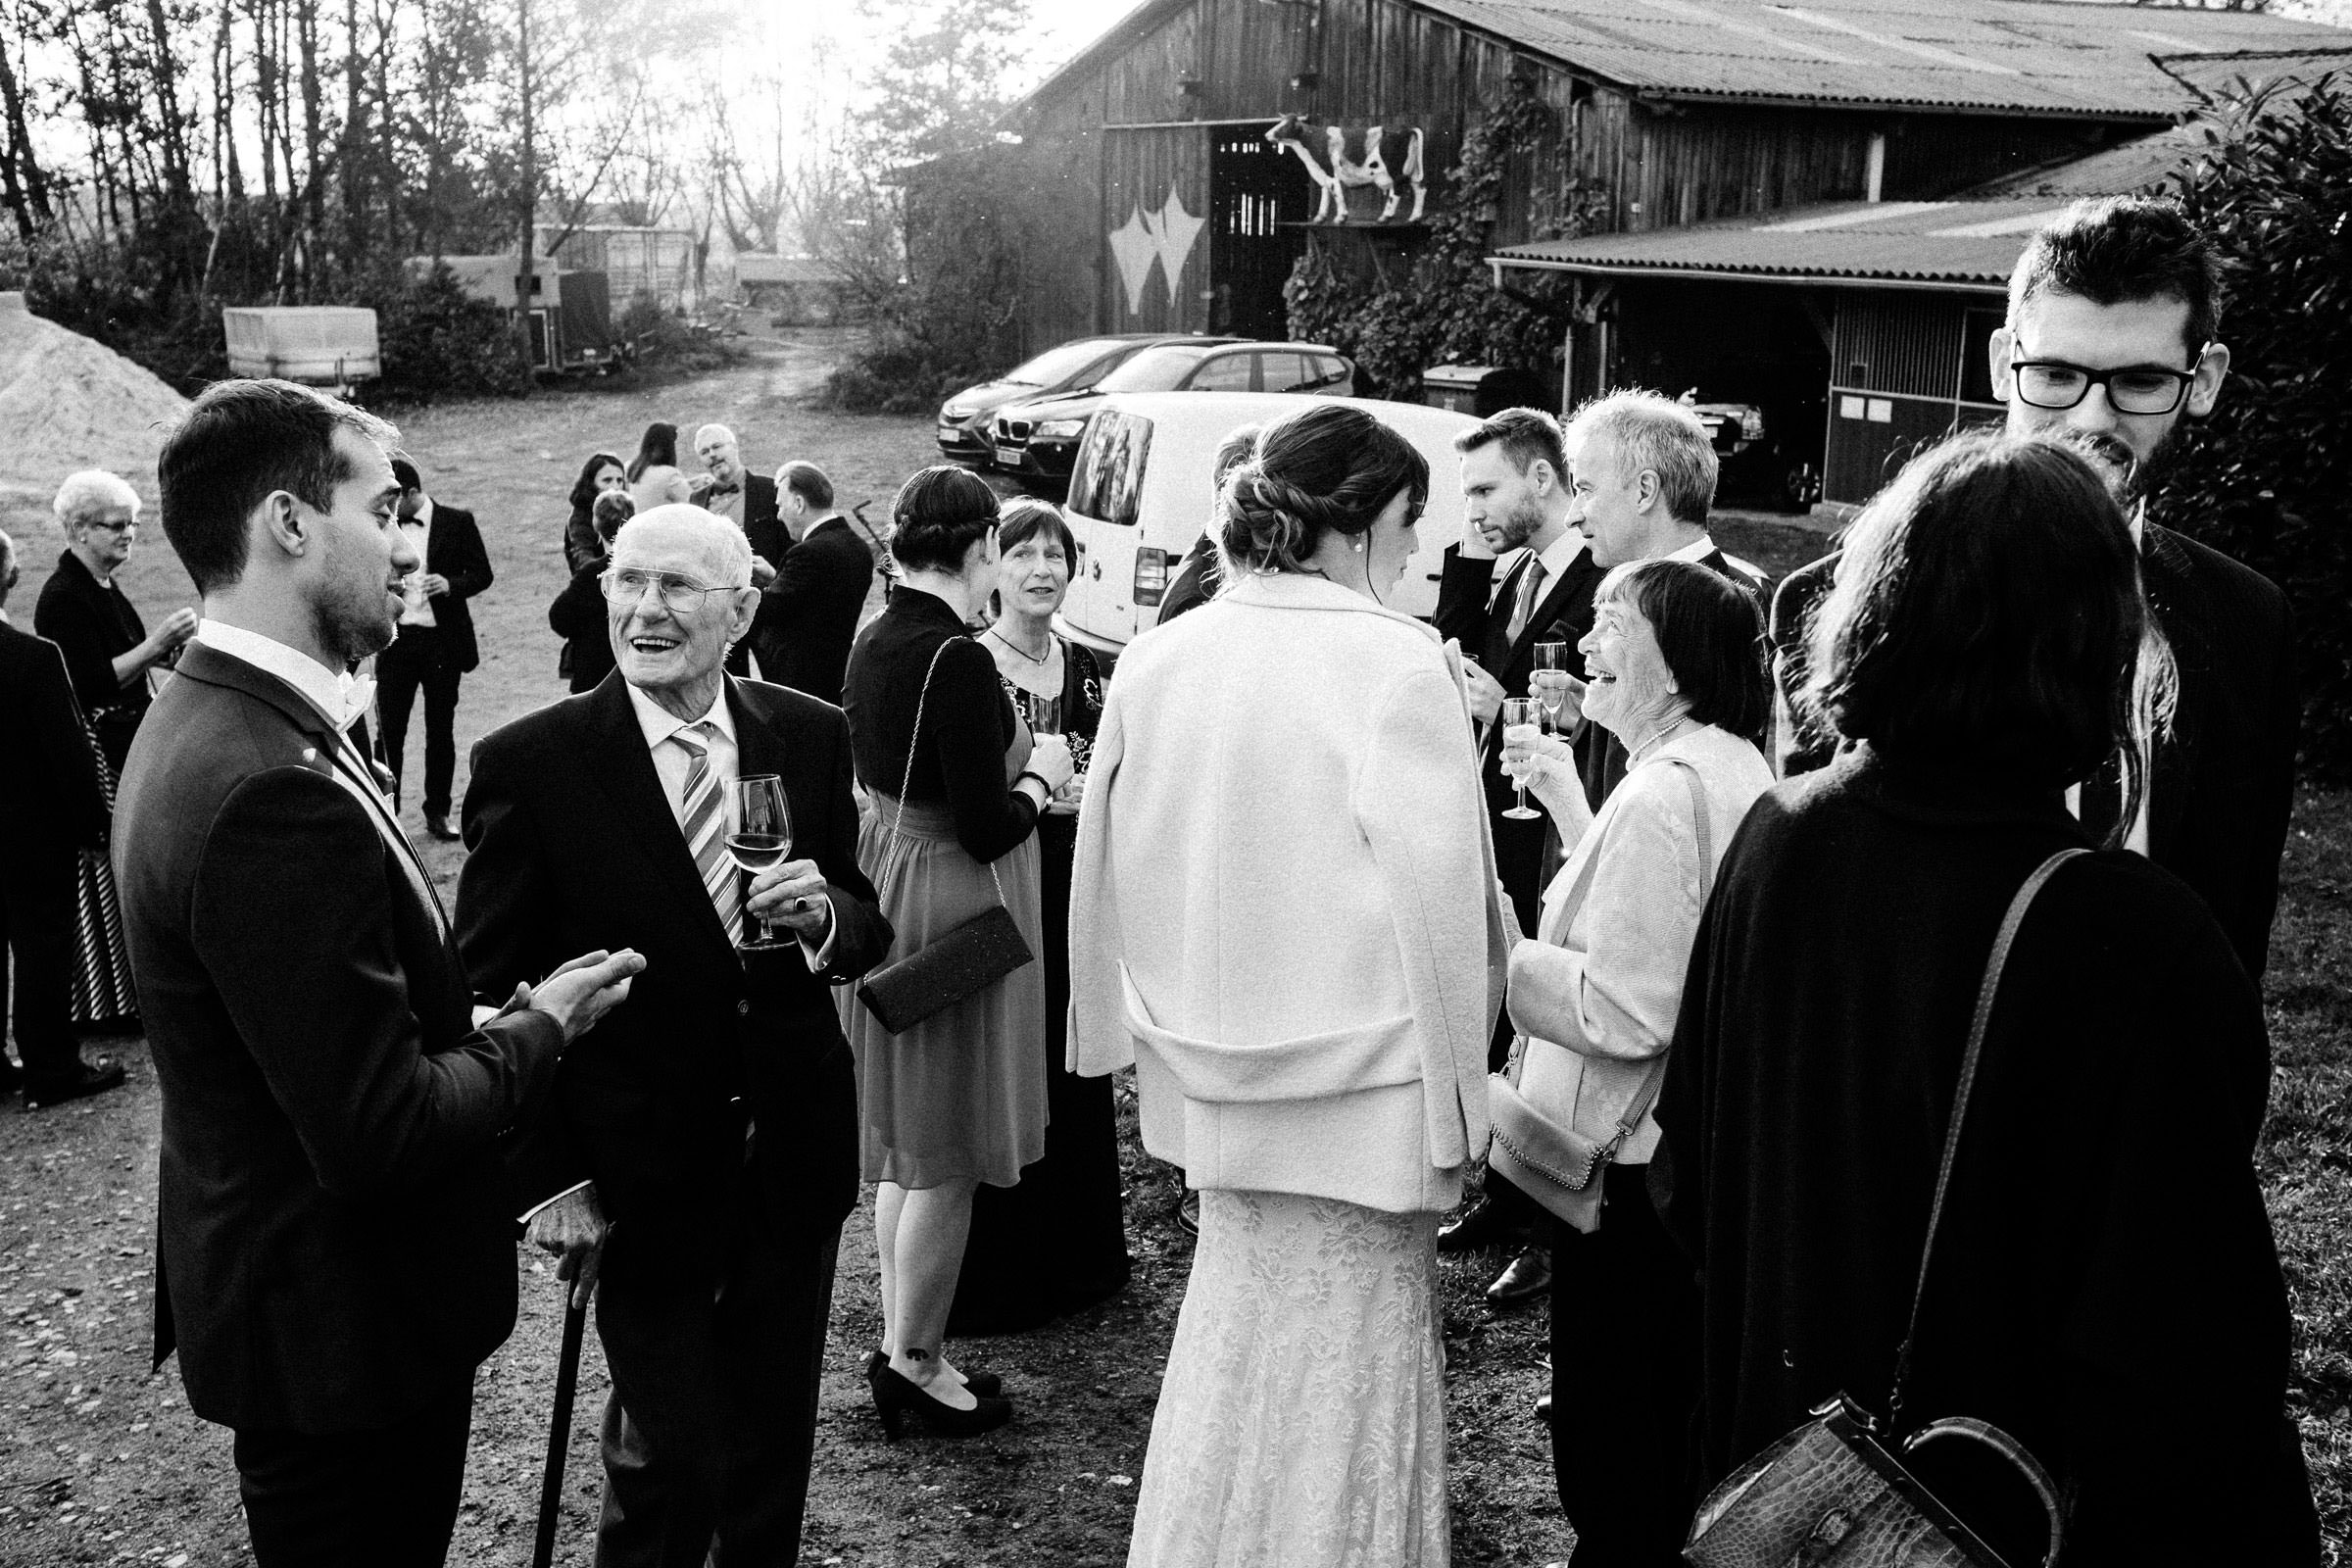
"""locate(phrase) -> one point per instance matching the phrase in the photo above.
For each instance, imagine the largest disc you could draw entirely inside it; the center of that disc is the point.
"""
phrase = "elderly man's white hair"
(725, 549)
(86, 494)
(708, 428)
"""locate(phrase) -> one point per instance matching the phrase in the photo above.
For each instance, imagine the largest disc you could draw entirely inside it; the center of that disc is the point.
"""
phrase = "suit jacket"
(573, 847)
(759, 511)
(809, 616)
(335, 1245)
(454, 548)
(2224, 779)
(1476, 611)
(1195, 582)
(50, 792)
(578, 617)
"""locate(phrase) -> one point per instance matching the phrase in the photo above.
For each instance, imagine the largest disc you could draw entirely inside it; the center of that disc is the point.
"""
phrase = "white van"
(1140, 495)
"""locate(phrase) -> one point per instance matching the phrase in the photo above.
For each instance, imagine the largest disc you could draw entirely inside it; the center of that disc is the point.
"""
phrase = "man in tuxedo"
(436, 648)
(745, 499)
(809, 615)
(2113, 342)
(702, 1153)
(1515, 490)
(1645, 472)
(52, 805)
(334, 1260)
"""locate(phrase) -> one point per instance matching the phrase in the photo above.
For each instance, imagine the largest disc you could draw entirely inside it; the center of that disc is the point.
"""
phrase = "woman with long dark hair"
(1284, 915)
(652, 474)
(601, 475)
(2104, 1284)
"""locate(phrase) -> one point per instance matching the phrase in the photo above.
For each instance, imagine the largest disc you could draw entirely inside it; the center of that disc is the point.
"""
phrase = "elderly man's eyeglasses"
(681, 596)
(2134, 389)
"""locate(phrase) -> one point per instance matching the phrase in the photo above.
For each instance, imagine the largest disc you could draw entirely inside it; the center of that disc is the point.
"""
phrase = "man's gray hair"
(724, 431)
(1647, 431)
(730, 551)
(86, 494)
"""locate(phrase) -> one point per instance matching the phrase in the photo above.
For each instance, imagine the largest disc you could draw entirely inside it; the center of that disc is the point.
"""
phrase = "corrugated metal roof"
(2261, 68)
(2053, 56)
(1959, 243)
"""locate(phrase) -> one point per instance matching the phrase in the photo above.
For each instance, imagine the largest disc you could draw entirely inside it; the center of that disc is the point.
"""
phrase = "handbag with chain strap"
(957, 963)
(1836, 1493)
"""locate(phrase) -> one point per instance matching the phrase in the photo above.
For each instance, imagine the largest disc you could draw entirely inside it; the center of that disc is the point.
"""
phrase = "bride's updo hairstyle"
(1328, 468)
(940, 513)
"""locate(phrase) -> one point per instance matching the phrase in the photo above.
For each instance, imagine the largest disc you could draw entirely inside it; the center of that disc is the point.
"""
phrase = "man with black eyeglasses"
(2113, 342)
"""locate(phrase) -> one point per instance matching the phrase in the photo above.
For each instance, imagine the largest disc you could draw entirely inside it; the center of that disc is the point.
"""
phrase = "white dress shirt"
(1559, 557)
(417, 605)
(673, 764)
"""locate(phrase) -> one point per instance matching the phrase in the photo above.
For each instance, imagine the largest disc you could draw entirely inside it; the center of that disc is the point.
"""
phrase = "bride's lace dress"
(1303, 1418)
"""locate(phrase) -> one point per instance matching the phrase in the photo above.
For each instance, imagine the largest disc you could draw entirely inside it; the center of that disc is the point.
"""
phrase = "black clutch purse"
(952, 967)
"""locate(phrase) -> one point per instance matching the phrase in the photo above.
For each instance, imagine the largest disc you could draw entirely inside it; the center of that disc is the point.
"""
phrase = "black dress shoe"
(897, 1397)
(84, 1080)
(1528, 1278)
(985, 1384)
(438, 827)
(1481, 1224)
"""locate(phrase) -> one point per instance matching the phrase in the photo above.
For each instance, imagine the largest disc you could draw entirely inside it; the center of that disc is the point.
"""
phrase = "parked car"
(1139, 496)
(1038, 438)
(1067, 367)
(1763, 455)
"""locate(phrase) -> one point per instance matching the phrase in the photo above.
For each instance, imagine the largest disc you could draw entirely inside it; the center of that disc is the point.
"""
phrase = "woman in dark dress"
(109, 653)
(578, 615)
(601, 475)
(956, 784)
(1058, 1241)
(2105, 1287)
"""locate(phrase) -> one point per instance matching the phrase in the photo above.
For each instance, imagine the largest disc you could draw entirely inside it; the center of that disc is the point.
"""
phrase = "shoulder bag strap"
(1986, 993)
(1655, 1079)
(906, 781)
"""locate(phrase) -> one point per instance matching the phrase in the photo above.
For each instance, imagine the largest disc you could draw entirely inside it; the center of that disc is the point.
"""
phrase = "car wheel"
(1800, 487)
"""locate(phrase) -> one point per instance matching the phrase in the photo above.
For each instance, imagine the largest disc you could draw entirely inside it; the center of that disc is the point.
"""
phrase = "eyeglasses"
(124, 525)
(679, 594)
(2135, 389)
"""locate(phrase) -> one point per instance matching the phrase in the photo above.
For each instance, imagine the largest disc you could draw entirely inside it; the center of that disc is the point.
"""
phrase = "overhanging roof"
(1968, 246)
(2045, 57)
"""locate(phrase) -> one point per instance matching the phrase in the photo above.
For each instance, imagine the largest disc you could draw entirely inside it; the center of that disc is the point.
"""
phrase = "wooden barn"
(1192, 153)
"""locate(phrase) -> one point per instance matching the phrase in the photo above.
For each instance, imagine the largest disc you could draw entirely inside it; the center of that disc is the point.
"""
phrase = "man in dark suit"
(334, 1259)
(436, 647)
(1517, 504)
(52, 805)
(745, 499)
(808, 614)
(2112, 342)
(709, 1129)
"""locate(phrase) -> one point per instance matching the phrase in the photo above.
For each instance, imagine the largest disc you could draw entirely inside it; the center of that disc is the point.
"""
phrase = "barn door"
(1254, 189)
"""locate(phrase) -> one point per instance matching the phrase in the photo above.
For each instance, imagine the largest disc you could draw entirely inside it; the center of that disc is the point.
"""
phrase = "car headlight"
(957, 411)
(1061, 427)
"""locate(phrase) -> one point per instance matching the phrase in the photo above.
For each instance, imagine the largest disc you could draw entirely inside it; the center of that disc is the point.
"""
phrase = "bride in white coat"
(1284, 915)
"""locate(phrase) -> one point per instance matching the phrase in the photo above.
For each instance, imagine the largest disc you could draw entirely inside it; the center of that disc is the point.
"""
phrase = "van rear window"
(1109, 479)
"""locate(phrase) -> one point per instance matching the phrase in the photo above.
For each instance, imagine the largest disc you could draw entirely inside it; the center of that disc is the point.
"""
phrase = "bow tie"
(724, 490)
(357, 692)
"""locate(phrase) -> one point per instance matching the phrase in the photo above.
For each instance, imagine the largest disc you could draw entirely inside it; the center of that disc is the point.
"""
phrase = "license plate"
(1013, 455)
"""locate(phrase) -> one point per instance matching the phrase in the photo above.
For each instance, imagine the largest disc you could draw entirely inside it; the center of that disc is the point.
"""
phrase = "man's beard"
(2129, 479)
(350, 628)
(1518, 525)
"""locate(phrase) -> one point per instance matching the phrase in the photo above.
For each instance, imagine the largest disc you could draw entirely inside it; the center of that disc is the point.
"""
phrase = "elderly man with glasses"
(703, 1151)
(2112, 343)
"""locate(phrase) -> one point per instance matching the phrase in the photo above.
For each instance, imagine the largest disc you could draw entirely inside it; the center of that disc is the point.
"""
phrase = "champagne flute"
(1549, 681)
(761, 835)
(1521, 710)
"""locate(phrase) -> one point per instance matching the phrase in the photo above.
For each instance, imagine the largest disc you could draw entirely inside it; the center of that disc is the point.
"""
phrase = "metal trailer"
(318, 345)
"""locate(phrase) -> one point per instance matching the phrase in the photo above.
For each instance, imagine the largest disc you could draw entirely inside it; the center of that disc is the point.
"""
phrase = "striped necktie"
(704, 821)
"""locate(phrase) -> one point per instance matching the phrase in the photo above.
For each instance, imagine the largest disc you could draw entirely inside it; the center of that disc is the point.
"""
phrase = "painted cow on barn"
(1334, 173)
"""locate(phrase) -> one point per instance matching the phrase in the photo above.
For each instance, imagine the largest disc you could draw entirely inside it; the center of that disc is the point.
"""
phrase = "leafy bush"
(440, 342)
(664, 343)
(2264, 478)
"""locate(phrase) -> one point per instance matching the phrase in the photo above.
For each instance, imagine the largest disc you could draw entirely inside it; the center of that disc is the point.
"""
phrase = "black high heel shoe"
(896, 1397)
(983, 1385)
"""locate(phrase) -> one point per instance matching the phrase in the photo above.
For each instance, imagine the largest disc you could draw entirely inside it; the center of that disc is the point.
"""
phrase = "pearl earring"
(1356, 544)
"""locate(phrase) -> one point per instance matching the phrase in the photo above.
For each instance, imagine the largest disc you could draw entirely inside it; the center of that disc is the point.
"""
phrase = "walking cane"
(559, 1427)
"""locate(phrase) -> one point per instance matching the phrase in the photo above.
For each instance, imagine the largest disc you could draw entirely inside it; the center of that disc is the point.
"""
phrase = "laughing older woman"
(1678, 676)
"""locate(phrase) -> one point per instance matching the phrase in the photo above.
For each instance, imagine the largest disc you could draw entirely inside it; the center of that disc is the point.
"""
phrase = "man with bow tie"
(335, 1256)
(745, 499)
(436, 647)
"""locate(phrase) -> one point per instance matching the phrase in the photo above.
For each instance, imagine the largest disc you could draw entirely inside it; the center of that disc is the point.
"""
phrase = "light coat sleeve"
(1416, 799)
(1098, 1039)
(1613, 987)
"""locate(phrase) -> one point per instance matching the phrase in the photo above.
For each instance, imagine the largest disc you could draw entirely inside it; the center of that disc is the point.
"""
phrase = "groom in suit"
(702, 1153)
(333, 1260)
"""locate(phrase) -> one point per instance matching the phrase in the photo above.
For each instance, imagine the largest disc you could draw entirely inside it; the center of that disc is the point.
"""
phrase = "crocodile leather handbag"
(959, 963)
(1835, 1492)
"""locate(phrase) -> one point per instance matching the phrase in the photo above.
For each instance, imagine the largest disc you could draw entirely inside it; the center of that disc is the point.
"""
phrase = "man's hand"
(1486, 692)
(573, 1229)
(584, 990)
(761, 573)
(433, 584)
(792, 895)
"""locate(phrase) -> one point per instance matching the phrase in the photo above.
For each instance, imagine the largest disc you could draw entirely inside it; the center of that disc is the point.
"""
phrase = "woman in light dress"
(1284, 915)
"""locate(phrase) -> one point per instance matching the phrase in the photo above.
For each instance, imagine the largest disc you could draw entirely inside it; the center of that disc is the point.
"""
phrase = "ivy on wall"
(1446, 309)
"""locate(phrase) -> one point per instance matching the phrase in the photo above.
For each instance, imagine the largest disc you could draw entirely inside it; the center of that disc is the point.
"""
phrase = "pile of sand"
(69, 402)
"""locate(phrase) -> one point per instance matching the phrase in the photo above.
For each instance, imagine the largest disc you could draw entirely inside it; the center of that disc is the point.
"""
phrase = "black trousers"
(422, 658)
(712, 1423)
(1624, 1380)
(386, 1499)
(36, 926)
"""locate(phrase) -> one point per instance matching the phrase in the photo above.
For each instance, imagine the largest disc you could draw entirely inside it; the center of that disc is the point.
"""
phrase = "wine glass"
(1547, 683)
(761, 836)
(1039, 710)
(1521, 710)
